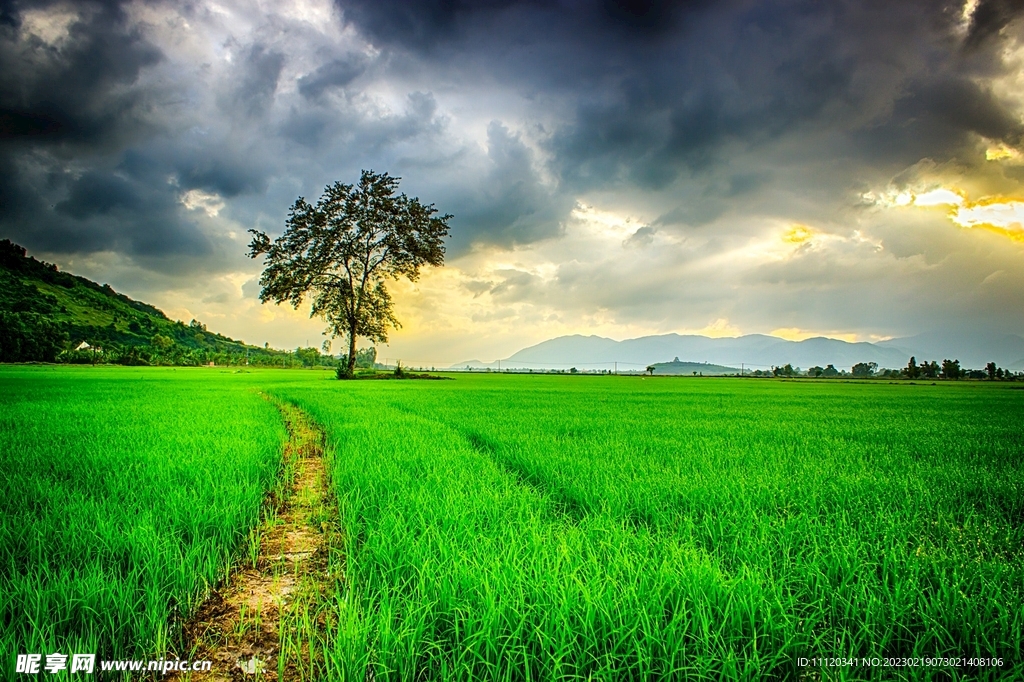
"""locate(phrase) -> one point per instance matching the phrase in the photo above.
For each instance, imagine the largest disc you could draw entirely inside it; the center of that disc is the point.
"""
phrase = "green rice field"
(511, 527)
(124, 494)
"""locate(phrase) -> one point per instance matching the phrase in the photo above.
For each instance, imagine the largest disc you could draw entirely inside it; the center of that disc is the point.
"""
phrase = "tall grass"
(613, 528)
(123, 494)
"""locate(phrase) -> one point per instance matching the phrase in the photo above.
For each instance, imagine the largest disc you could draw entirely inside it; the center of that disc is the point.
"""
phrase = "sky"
(796, 168)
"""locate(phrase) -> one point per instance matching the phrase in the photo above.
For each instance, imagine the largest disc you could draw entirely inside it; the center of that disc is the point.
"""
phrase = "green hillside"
(46, 314)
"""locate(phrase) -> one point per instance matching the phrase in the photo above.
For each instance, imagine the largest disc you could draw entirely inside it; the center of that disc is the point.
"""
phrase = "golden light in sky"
(999, 214)
(798, 234)
(1001, 153)
(996, 214)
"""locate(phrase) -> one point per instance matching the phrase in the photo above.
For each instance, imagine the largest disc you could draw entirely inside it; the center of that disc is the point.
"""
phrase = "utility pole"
(616, 367)
(741, 369)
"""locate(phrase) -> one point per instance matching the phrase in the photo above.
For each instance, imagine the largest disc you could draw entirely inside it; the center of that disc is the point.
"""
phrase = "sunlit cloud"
(603, 223)
(52, 25)
(209, 202)
(966, 13)
(1002, 153)
(998, 214)
(939, 197)
(798, 234)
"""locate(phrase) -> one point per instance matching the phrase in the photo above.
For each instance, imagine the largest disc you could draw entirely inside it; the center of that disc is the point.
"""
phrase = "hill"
(45, 314)
(689, 368)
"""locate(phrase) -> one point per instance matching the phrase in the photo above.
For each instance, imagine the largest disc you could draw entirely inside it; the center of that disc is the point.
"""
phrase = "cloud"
(334, 74)
(610, 165)
(988, 18)
(78, 90)
(644, 236)
(257, 77)
(509, 203)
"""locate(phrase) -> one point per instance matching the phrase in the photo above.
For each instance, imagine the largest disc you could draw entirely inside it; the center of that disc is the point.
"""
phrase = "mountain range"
(760, 351)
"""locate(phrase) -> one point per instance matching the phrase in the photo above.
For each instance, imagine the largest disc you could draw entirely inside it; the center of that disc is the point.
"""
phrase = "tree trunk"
(351, 370)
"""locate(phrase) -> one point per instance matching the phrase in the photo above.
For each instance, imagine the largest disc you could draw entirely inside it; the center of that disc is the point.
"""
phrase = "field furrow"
(271, 615)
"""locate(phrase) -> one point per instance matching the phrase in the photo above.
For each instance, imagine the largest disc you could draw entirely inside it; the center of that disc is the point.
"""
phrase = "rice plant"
(529, 527)
(519, 528)
(124, 495)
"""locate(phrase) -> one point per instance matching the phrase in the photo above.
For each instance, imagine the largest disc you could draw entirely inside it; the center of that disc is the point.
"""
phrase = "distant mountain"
(45, 312)
(758, 351)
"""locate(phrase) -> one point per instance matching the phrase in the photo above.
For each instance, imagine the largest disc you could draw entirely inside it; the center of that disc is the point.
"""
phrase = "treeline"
(164, 352)
(159, 355)
(947, 369)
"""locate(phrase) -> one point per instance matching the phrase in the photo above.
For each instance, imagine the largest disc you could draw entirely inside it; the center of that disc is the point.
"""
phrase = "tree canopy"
(340, 252)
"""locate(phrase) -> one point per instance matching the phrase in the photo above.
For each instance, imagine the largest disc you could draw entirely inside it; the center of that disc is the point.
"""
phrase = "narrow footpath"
(261, 624)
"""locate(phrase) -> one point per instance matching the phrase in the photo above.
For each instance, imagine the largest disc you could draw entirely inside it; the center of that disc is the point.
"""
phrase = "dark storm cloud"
(64, 110)
(503, 113)
(747, 78)
(105, 210)
(74, 94)
(427, 25)
(96, 194)
(92, 154)
(9, 14)
(938, 118)
(656, 90)
(228, 171)
(508, 205)
(258, 74)
(334, 74)
(989, 18)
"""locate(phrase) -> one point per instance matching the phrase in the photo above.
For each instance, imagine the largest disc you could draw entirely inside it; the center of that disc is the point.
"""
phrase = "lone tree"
(342, 250)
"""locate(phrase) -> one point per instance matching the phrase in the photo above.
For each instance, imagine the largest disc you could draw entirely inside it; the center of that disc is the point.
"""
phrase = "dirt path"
(259, 626)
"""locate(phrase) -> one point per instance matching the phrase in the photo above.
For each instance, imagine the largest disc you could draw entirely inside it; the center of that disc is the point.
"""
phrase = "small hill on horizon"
(45, 314)
(680, 367)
